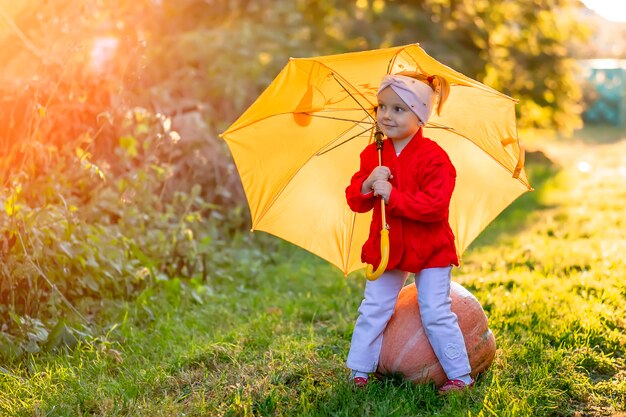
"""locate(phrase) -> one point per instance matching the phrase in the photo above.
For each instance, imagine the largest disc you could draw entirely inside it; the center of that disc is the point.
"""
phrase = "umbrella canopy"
(297, 146)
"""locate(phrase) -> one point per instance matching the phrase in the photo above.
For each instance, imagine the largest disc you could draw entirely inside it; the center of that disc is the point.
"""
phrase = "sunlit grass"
(268, 334)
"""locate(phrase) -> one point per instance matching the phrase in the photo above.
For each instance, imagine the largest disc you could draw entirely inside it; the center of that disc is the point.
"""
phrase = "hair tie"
(430, 79)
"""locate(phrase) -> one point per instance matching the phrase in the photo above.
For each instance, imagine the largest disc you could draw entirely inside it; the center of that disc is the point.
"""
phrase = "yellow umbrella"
(297, 146)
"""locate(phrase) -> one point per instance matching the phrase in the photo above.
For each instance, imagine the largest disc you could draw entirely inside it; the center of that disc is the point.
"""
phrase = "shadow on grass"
(540, 170)
(377, 399)
(391, 397)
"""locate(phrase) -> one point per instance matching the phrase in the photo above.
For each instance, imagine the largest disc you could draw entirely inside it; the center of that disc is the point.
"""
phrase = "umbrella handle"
(372, 275)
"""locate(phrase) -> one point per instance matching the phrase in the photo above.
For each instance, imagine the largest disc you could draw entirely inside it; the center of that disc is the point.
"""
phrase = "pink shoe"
(360, 382)
(455, 385)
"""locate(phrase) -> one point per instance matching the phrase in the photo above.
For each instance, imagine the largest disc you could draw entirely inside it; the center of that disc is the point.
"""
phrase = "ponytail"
(439, 84)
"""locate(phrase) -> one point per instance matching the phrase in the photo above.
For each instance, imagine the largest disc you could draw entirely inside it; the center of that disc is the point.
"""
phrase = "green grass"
(268, 334)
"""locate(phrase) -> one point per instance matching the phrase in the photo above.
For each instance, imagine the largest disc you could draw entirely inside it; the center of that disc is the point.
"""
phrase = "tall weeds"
(102, 193)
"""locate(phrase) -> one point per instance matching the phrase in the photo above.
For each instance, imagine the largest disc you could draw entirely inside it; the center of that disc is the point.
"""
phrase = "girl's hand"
(383, 189)
(380, 173)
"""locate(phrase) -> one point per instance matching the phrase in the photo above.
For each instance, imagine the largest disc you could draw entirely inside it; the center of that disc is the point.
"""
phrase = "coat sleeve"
(430, 202)
(360, 203)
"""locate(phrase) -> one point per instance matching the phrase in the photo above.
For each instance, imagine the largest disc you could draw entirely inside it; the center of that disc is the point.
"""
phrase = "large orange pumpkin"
(406, 349)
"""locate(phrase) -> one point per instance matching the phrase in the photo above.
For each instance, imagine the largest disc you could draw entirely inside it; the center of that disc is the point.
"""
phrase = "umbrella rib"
(456, 132)
(335, 76)
(351, 95)
(337, 118)
(320, 153)
(414, 60)
(227, 132)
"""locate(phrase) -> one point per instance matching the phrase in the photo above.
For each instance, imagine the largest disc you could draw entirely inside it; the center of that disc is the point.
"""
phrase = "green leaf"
(91, 283)
(67, 249)
(61, 336)
(197, 297)
(9, 348)
(129, 144)
(10, 205)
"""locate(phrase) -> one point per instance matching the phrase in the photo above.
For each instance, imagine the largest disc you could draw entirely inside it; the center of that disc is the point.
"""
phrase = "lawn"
(267, 334)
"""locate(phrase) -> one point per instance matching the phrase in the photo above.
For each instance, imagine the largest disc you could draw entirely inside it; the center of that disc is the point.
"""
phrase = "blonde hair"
(440, 86)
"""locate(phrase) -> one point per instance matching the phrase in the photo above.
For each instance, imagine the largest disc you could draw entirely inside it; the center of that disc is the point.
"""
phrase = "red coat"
(417, 212)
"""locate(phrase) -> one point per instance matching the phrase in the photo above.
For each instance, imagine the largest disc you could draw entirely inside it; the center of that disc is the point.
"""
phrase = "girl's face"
(394, 117)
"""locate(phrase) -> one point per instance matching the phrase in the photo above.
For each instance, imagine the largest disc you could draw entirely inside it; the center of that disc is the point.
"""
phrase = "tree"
(522, 47)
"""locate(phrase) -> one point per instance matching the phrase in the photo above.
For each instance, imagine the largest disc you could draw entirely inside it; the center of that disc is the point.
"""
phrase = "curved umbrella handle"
(372, 275)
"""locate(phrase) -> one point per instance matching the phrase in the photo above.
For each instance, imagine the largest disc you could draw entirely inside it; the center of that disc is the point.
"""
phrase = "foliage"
(91, 233)
(100, 197)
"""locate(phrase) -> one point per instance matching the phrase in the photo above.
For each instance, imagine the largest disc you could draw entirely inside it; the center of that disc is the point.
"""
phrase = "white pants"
(440, 323)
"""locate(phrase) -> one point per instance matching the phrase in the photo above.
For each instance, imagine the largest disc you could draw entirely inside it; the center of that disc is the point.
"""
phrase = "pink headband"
(417, 95)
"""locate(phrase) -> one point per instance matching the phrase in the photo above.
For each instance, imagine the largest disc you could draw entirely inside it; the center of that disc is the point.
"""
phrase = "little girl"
(416, 181)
